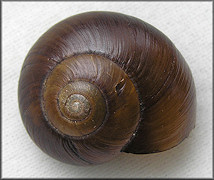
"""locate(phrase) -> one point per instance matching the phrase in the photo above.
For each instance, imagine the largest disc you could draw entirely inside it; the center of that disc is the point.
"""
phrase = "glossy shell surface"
(101, 83)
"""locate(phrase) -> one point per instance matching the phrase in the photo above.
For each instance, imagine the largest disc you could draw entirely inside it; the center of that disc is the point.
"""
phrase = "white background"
(187, 24)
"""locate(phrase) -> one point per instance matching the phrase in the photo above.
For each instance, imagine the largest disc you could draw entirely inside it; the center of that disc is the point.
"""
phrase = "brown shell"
(100, 83)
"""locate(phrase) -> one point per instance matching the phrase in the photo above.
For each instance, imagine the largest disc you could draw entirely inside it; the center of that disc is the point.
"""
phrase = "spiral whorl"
(100, 83)
(78, 92)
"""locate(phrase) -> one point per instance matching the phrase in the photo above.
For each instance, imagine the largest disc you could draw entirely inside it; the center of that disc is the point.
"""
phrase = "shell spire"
(100, 83)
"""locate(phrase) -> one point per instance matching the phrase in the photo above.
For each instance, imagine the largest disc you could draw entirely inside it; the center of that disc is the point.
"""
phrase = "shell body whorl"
(100, 83)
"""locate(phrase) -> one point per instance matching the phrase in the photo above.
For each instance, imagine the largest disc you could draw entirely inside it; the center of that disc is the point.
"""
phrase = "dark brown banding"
(140, 98)
(100, 135)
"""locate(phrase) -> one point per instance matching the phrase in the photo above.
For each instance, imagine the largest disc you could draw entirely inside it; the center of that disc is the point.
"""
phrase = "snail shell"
(100, 83)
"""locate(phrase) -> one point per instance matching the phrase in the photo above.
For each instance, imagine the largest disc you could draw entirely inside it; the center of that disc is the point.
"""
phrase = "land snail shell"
(100, 83)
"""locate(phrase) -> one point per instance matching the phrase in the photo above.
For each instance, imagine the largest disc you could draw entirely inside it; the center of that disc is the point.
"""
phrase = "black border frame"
(103, 1)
